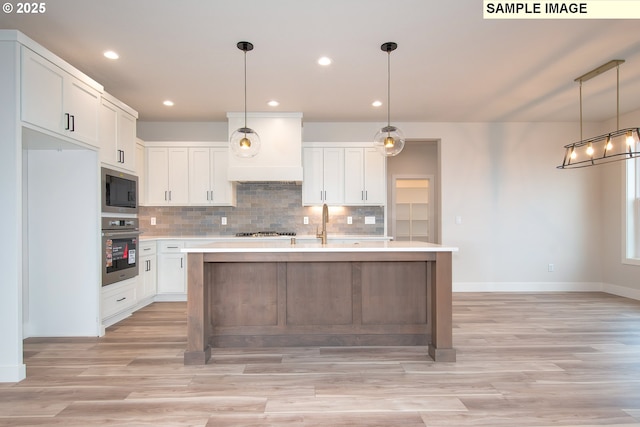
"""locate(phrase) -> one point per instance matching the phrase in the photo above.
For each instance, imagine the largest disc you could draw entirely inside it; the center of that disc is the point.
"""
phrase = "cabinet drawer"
(147, 248)
(119, 299)
(170, 246)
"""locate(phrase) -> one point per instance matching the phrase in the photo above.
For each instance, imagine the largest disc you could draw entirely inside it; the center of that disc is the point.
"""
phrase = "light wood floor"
(554, 359)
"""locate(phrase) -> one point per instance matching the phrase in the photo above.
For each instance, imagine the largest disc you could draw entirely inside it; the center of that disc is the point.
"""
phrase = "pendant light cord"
(245, 88)
(388, 88)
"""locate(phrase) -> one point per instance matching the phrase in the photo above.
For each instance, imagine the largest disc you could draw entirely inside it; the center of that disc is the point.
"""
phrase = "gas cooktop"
(266, 234)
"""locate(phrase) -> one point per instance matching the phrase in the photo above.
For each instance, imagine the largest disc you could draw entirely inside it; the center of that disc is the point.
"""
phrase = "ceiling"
(451, 65)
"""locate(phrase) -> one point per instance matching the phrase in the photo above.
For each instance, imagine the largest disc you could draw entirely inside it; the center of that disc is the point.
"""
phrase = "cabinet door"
(375, 177)
(42, 92)
(140, 170)
(157, 181)
(57, 101)
(313, 176)
(81, 103)
(178, 176)
(333, 175)
(199, 176)
(126, 142)
(354, 176)
(223, 190)
(108, 132)
(148, 277)
(171, 273)
(116, 136)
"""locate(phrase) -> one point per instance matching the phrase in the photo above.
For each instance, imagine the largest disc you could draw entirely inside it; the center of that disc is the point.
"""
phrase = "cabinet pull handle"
(172, 247)
(181, 259)
(146, 249)
(73, 123)
(121, 299)
(68, 117)
(325, 194)
(366, 195)
(169, 195)
(361, 195)
(165, 195)
(321, 195)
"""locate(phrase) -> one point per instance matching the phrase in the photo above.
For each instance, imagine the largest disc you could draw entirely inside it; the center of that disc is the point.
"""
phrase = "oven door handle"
(129, 233)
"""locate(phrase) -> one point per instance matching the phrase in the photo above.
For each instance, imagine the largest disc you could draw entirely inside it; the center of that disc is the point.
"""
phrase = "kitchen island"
(266, 294)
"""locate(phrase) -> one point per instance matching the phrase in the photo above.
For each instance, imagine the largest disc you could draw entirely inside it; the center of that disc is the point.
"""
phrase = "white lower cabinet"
(172, 268)
(148, 275)
(118, 301)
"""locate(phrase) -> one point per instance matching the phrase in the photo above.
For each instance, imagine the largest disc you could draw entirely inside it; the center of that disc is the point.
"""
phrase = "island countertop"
(279, 246)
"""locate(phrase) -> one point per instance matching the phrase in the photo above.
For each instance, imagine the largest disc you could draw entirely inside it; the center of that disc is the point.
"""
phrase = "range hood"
(280, 156)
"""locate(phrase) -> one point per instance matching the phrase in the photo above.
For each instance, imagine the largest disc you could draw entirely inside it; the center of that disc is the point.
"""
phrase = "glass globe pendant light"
(244, 141)
(389, 140)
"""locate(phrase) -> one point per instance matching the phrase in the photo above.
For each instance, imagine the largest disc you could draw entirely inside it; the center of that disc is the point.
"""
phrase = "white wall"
(619, 278)
(12, 367)
(63, 243)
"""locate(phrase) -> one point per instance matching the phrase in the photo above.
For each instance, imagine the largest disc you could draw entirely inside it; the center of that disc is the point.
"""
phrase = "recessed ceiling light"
(168, 103)
(111, 54)
(324, 61)
(377, 103)
(273, 103)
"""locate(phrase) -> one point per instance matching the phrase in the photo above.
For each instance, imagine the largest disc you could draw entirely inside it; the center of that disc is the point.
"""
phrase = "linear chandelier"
(620, 144)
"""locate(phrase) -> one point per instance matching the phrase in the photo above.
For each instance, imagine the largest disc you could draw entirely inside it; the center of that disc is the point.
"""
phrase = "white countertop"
(279, 246)
(299, 238)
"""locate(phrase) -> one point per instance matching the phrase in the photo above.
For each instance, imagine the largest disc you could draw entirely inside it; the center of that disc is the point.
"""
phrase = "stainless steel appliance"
(266, 234)
(119, 192)
(119, 249)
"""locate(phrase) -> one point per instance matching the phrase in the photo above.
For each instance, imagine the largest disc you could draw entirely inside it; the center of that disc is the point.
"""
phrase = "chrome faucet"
(325, 219)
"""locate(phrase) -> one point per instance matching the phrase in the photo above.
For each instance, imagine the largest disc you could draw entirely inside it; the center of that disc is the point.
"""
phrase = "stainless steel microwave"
(119, 192)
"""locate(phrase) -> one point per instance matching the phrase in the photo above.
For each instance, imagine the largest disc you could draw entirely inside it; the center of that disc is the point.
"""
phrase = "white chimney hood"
(280, 155)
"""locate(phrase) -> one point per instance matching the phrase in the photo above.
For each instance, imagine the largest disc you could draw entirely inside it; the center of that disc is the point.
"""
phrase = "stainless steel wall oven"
(119, 249)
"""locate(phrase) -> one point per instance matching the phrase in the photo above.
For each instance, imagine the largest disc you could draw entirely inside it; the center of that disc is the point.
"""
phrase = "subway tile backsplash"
(260, 207)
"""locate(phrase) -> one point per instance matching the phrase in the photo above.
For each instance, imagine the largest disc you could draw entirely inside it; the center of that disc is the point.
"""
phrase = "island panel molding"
(278, 294)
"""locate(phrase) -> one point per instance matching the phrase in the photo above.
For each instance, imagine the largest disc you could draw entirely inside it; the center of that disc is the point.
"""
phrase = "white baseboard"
(547, 287)
(13, 374)
(170, 297)
(622, 291)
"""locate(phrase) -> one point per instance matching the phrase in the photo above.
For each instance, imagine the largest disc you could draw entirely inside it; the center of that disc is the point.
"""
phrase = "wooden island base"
(319, 299)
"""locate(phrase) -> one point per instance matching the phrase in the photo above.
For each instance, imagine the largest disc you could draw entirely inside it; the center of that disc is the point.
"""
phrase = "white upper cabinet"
(167, 176)
(365, 177)
(324, 172)
(54, 100)
(117, 136)
(208, 183)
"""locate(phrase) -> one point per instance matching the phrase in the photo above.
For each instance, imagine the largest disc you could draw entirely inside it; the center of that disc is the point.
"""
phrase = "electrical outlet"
(153, 220)
(305, 220)
(551, 268)
(369, 219)
(349, 220)
(224, 220)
